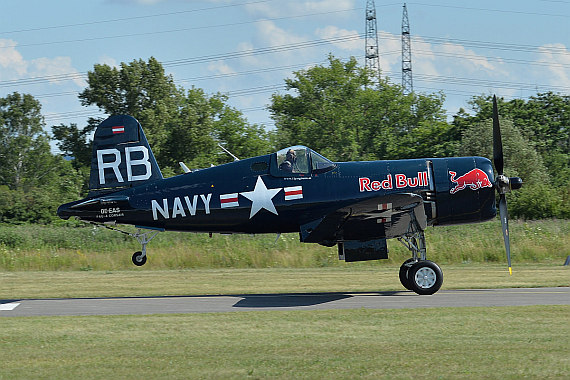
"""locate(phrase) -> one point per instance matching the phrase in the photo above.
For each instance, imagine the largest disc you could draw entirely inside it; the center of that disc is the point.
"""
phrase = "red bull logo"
(474, 179)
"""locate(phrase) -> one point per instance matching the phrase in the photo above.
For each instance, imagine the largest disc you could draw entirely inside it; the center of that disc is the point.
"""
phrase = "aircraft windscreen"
(320, 164)
(293, 160)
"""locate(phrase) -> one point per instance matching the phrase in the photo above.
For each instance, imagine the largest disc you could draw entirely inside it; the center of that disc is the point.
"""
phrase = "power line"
(492, 10)
(43, 78)
(85, 23)
(461, 81)
(193, 60)
(134, 17)
(314, 43)
(503, 46)
(492, 45)
(210, 77)
(256, 90)
(249, 72)
(153, 33)
(263, 50)
(494, 59)
(56, 94)
(447, 80)
(71, 115)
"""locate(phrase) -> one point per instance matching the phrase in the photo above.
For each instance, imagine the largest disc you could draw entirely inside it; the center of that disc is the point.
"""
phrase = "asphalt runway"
(298, 301)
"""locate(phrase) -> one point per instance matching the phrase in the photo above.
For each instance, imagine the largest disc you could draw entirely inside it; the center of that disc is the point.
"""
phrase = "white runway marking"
(9, 306)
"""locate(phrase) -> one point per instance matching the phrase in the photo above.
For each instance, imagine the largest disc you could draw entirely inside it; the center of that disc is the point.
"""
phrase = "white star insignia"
(261, 197)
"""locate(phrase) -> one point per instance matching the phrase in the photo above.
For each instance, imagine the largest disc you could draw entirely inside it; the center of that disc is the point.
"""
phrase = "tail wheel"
(425, 277)
(139, 258)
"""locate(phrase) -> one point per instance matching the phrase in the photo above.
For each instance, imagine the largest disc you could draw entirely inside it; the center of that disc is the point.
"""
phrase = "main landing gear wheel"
(139, 258)
(425, 277)
(404, 269)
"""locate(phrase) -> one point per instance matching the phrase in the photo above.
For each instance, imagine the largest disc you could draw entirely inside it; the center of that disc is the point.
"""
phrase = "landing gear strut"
(139, 257)
(417, 273)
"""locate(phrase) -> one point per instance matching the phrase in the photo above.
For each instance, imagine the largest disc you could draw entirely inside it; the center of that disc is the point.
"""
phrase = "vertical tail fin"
(121, 157)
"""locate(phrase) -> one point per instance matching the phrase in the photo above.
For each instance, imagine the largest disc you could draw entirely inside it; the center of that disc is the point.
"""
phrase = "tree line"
(332, 108)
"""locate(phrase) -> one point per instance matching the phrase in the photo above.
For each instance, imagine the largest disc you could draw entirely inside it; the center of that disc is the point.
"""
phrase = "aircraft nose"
(516, 183)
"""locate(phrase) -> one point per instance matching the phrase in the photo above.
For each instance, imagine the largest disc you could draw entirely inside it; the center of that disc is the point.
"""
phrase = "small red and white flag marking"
(293, 192)
(386, 209)
(229, 200)
(118, 129)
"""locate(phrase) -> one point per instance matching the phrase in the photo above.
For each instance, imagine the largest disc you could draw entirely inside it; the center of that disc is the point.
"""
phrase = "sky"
(247, 48)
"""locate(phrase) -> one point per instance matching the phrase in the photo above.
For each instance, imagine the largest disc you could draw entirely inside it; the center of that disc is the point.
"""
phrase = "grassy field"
(494, 343)
(77, 247)
(449, 343)
(69, 284)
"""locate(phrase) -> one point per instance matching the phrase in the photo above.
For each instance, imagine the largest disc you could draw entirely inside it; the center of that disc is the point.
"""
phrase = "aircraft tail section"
(121, 156)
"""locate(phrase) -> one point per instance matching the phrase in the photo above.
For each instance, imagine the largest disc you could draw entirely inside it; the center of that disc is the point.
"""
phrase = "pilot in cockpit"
(290, 162)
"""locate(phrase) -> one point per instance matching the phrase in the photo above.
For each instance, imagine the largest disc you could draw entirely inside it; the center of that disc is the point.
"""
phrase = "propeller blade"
(505, 225)
(497, 142)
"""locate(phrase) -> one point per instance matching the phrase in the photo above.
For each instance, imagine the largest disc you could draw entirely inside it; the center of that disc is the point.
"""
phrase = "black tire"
(425, 277)
(139, 259)
(404, 269)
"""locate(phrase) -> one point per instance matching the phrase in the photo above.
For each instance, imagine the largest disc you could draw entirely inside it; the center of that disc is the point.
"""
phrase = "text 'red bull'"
(400, 180)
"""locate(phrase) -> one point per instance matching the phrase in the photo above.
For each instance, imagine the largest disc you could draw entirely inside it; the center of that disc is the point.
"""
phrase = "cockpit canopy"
(300, 160)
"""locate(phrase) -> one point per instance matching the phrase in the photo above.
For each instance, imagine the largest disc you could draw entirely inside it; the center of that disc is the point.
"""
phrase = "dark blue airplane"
(354, 205)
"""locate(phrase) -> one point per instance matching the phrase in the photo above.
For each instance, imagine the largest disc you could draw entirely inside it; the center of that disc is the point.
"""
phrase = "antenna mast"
(371, 48)
(407, 84)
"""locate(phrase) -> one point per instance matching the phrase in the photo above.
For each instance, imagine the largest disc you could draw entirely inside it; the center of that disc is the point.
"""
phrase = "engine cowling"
(465, 190)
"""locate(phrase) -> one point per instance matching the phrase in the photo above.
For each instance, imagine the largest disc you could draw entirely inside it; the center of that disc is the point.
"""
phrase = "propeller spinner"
(503, 183)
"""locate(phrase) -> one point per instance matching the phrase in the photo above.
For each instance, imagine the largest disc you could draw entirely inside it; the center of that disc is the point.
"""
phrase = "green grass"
(16, 285)
(449, 343)
(494, 343)
(76, 247)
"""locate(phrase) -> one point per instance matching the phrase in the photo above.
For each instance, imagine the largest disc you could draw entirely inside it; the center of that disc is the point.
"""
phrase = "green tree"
(34, 181)
(181, 125)
(24, 145)
(538, 198)
(521, 158)
(205, 121)
(541, 156)
(140, 89)
(74, 142)
(321, 112)
(427, 139)
(544, 120)
(234, 133)
(333, 111)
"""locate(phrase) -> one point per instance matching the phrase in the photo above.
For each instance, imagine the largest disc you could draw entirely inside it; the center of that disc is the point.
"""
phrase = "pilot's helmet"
(290, 155)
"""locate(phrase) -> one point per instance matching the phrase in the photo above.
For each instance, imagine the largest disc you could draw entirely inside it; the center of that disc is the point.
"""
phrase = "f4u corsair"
(354, 205)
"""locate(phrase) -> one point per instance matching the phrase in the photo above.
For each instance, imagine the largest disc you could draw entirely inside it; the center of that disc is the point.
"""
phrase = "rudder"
(121, 156)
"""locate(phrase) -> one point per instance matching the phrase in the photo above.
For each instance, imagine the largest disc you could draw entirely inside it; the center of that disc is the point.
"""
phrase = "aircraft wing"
(386, 216)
